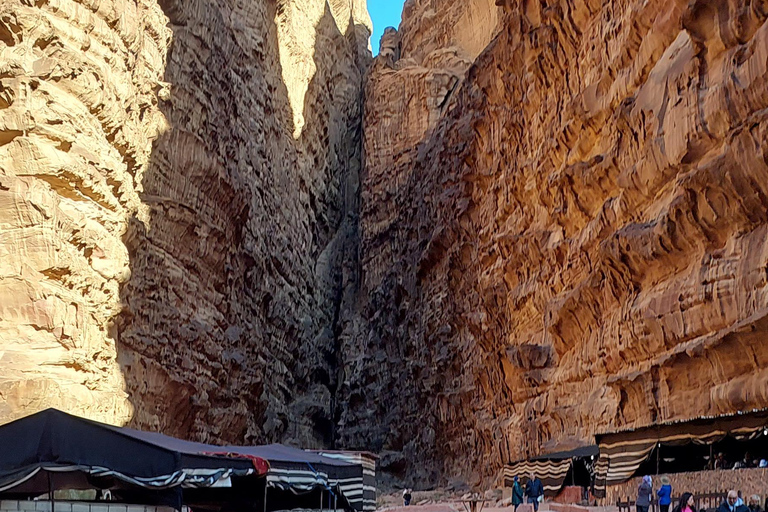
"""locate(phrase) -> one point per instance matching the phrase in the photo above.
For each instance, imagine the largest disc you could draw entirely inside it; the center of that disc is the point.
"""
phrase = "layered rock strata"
(78, 112)
(572, 240)
(562, 220)
(178, 211)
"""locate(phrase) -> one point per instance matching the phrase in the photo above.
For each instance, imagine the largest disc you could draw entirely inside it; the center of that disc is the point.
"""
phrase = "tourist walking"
(665, 494)
(407, 497)
(754, 503)
(517, 493)
(731, 504)
(534, 491)
(644, 491)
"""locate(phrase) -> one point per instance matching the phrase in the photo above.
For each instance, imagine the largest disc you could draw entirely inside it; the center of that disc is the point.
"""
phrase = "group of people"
(719, 462)
(533, 492)
(686, 502)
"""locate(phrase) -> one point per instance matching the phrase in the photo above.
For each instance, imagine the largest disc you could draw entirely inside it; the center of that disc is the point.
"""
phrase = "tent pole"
(321, 499)
(573, 471)
(658, 452)
(265, 494)
(50, 490)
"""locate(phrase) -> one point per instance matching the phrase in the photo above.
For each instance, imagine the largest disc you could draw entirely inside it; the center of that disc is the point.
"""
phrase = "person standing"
(665, 494)
(534, 491)
(407, 497)
(644, 491)
(517, 493)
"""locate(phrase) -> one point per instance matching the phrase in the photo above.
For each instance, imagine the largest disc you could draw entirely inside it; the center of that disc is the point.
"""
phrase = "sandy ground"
(438, 501)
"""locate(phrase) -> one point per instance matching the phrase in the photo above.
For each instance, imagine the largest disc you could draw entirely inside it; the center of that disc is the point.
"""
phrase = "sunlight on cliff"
(298, 28)
(76, 132)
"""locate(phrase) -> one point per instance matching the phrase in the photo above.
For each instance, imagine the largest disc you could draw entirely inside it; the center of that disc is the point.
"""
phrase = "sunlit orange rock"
(564, 234)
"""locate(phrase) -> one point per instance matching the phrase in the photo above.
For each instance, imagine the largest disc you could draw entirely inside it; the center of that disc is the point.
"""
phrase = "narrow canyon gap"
(519, 225)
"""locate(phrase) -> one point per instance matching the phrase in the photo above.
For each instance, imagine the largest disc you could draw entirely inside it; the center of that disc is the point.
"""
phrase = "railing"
(709, 501)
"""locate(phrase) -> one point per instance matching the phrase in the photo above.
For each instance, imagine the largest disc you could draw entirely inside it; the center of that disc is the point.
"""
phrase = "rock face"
(566, 236)
(553, 222)
(178, 202)
(78, 113)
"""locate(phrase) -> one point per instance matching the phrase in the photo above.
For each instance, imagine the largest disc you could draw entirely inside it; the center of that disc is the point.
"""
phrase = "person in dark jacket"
(517, 493)
(534, 490)
(729, 505)
(644, 491)
(665, 494)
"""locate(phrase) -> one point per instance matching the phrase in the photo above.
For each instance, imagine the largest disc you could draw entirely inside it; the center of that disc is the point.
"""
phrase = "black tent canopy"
(54, 450)
(56, 442)
(296, 470)
(291, 469)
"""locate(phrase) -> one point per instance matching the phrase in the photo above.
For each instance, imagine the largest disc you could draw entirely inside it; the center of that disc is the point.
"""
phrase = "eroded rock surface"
(563, 212)
(572, 240)
(178, 202)
(78, 113)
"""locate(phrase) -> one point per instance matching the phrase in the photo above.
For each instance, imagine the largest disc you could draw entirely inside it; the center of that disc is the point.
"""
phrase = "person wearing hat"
(644, 491)
(731, 503)
(754, 503)
(665, 494)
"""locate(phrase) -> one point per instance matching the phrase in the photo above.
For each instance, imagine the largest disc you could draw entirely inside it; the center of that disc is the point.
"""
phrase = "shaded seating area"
(295, 478)
(681, 446)
(556, 470)
(303, 479)
(53, 451)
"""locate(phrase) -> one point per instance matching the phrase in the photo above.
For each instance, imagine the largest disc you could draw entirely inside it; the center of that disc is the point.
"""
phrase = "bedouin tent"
(551, 469)
(53, 450)
(623, 452)
(84, 454)
(291, 470)
(367, 463)
(298, 471)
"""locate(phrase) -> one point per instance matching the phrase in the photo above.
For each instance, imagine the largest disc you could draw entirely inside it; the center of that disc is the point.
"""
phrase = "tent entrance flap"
(551, 469)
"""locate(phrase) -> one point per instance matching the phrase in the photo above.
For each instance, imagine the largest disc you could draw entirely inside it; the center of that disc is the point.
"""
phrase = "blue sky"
(384, 13)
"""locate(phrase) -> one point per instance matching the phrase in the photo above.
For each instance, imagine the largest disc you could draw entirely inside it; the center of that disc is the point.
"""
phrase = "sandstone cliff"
(567, 235)
(178, 202)
(553, 222)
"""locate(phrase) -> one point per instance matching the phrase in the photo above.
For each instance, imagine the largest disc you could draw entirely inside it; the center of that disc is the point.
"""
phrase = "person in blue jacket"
(665, 494)
(534, 490)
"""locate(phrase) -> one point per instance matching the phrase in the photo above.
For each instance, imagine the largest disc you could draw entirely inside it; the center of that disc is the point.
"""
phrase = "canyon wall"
(548, 218)
(561, 233)
(178, 203)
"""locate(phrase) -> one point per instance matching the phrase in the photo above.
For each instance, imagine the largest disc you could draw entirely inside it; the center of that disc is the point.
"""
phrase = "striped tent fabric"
(623, 452)
(618, 462)
(601, 471)
(367, 461)
(299, 471)
(552, 473)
